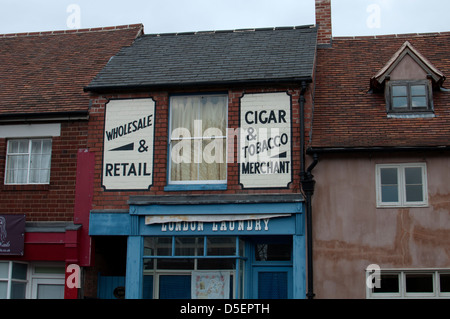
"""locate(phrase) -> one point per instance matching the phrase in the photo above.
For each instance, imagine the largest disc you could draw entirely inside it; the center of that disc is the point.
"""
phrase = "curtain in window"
(198, 138)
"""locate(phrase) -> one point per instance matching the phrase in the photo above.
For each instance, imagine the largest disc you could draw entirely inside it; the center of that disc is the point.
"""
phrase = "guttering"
(307, 184)
(160, 86)
(44, 116)
(380, 149)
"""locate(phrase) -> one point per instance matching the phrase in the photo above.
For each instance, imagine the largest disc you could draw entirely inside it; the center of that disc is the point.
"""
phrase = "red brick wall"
(323, 20)
(118, 199)
(55, 201)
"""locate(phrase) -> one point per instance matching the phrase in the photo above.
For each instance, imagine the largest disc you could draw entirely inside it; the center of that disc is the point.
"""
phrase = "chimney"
(323, 21)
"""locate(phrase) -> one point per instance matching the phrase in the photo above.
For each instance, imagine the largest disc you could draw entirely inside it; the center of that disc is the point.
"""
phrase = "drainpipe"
(307, 183)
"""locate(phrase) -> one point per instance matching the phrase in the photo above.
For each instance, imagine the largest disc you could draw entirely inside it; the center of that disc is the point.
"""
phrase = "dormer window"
(407, 80)
(409, 96)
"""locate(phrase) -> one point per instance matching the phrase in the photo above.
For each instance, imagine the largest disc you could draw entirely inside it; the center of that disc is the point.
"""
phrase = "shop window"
(13, 280)
(28, 161)
(401, 185)
(197, 144)
(168, 271)
(412, 284)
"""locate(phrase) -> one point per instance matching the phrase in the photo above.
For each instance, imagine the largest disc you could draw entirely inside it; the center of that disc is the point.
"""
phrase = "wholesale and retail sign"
(128, 144)
(265, 159)
(12, 233)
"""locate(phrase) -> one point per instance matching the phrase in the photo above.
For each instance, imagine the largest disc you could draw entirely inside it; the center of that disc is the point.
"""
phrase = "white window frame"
(8, 155)
(10, 280)
(402, 294)
(401, 185)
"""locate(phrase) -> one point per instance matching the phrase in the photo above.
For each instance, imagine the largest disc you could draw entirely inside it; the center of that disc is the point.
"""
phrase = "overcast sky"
(350, 17)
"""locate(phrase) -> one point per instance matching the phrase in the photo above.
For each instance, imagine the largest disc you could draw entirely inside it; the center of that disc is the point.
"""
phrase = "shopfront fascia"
(253, 241)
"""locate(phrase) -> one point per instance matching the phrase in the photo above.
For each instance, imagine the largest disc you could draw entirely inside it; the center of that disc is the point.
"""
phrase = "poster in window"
(128, 144)
(12, 233)
(265, 157)
(210, 285)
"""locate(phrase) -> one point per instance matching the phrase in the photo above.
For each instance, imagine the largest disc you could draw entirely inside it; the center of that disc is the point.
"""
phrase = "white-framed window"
(401, 185)
(13, 280)
(40, 280)
(411, 283)
(28, 161)
(198, 139)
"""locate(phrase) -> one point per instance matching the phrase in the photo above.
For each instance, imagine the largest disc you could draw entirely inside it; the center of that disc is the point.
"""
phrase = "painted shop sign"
(12, 234)
(128, 144)
(213, 223)
(265, 144)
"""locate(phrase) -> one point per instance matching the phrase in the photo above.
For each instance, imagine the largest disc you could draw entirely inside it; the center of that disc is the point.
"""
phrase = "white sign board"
(265, 158)
(128, 144)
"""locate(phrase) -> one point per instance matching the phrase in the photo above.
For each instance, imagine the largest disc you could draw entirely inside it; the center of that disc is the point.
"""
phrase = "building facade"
(44, 192)
(197, 146)
(380, 139)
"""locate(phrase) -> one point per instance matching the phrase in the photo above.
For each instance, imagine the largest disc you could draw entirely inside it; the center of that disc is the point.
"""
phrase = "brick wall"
(323, 20)
(118, 199)
(55, 201)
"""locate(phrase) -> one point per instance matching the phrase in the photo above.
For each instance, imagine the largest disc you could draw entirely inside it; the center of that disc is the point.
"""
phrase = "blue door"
(272, 282)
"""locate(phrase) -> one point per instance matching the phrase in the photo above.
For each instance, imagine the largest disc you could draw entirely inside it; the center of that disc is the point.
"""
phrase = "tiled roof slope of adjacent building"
(216, 57)
(45, 72)
(348, 115)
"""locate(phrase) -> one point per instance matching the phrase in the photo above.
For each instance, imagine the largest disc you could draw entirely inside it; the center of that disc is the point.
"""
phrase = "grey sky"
(350, 17)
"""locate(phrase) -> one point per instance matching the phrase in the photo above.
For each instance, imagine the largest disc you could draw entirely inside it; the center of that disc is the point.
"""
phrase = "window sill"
(195, 187)
(411, 115)
(425, 205)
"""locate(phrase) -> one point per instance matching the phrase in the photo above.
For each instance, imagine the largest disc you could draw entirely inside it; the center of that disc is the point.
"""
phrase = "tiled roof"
(274, 54)
(347, 114)
(45, 72)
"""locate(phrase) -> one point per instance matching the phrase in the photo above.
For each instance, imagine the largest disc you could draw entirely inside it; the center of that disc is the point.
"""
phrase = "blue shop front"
(245, 246)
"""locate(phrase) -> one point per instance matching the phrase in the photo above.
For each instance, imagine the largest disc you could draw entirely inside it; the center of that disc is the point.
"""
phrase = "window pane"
(398, 102)
(419, 283)
(418, 90)
(419, 101)
(399, 90)
(221, 246)
(3, 289)
(175, 263)
(414, 193)
(388, 284)
(4, 270)
(47, 147)
(18, 290)
(36, 146)
(189, 246)
(413, 181)
(158, 246)
(268, 252)
(445, 282)
(413, 175)
(19, 271)
(23, 146)
(49, 291)
(219, 263)
(389, 184)
(13, 146)
(389, 194)
(389, 176)
(213, 113)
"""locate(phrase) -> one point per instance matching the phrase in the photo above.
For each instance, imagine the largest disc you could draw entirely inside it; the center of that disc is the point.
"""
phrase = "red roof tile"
(348, 115)
(45, 72)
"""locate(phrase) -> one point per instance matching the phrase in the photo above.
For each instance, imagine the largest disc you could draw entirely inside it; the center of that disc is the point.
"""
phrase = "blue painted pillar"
(134, 273)
(299, 267)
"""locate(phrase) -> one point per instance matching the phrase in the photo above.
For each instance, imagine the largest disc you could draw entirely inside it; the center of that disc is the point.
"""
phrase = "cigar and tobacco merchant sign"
(265, 159)
(128, 144)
